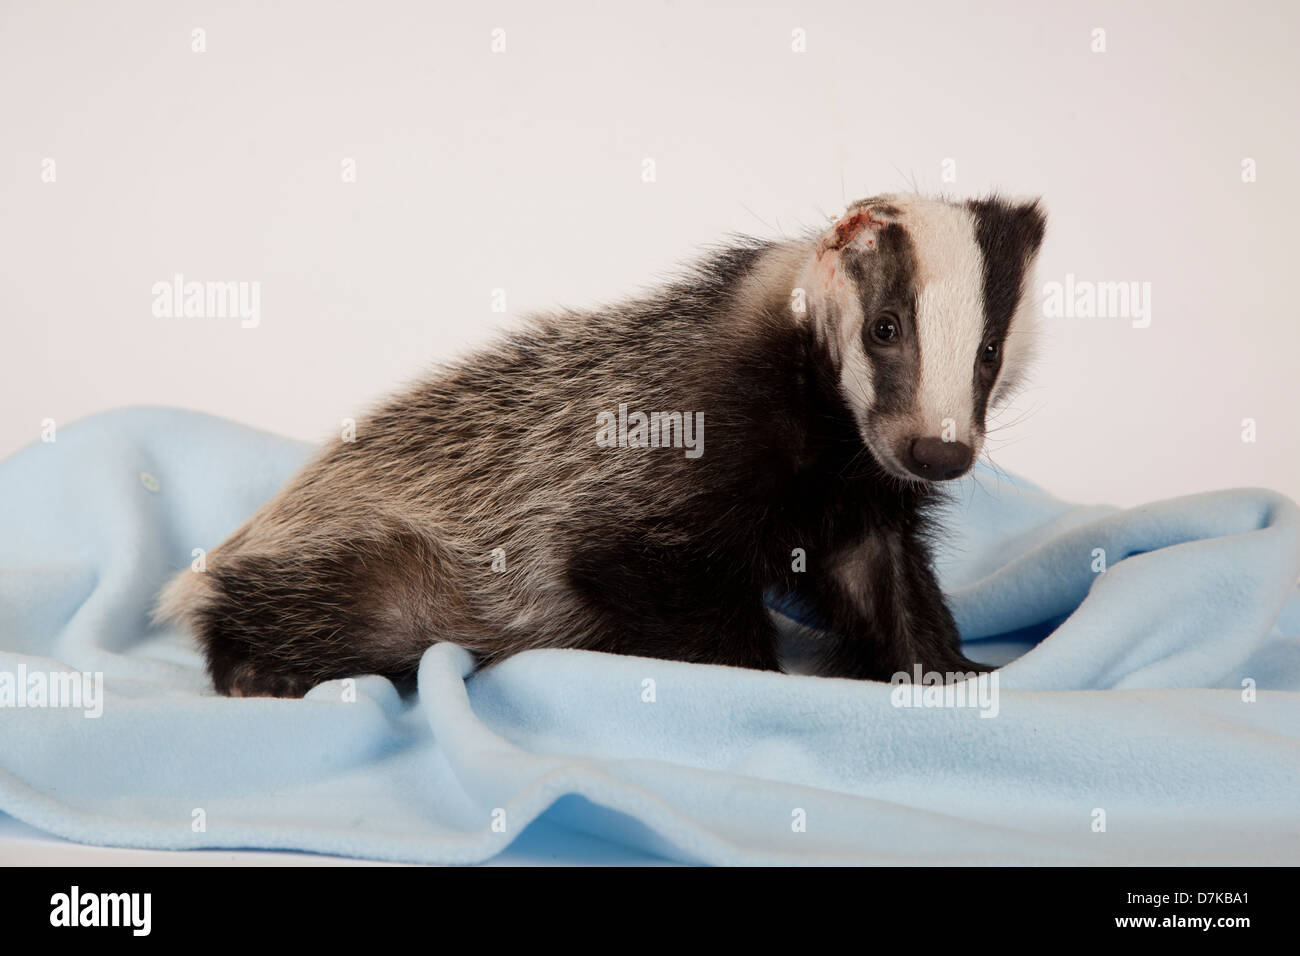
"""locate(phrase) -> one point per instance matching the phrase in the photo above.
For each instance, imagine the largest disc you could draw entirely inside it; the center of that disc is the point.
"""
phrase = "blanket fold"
(1148, 710)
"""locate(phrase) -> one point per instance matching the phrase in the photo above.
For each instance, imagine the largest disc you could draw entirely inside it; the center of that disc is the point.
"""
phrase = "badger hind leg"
(277, 623)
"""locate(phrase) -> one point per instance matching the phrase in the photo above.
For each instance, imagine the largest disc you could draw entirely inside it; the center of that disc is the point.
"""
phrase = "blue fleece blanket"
(1150, 711)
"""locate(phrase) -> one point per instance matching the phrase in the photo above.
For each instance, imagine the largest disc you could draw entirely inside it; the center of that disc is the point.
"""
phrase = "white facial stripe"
(855, 374)
(949, 315)
(855, 367)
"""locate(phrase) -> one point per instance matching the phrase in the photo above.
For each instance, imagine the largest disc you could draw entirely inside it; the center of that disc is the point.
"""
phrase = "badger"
(516, 499)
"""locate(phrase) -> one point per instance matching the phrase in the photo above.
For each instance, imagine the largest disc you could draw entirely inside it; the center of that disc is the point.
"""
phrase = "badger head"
(926, 311)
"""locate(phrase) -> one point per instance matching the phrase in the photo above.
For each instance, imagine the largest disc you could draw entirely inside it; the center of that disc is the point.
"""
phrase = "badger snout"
(937, 460)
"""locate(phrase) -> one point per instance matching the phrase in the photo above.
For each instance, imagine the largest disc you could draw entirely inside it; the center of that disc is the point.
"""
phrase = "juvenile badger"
(837, 379)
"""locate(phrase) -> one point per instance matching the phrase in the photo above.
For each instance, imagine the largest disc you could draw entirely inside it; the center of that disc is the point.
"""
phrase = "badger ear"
(1011, 228)
(1032, 220)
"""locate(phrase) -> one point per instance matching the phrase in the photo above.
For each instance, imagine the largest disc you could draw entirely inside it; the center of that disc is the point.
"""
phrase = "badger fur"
(836, 379)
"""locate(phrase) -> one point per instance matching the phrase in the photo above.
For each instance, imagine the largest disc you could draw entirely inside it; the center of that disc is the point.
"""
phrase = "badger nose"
(936, 459)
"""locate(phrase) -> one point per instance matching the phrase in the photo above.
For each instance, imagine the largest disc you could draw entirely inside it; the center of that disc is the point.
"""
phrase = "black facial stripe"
(880, 206)
(1008, 236)
(885, 279)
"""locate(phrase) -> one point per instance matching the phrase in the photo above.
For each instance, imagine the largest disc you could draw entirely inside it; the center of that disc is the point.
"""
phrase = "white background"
(522, 171)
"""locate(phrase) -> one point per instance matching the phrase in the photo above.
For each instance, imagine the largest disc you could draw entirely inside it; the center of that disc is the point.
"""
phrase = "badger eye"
(990, 353)
(885, 329)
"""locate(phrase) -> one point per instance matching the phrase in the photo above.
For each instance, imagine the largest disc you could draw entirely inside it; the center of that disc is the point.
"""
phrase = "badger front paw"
(247, 679)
